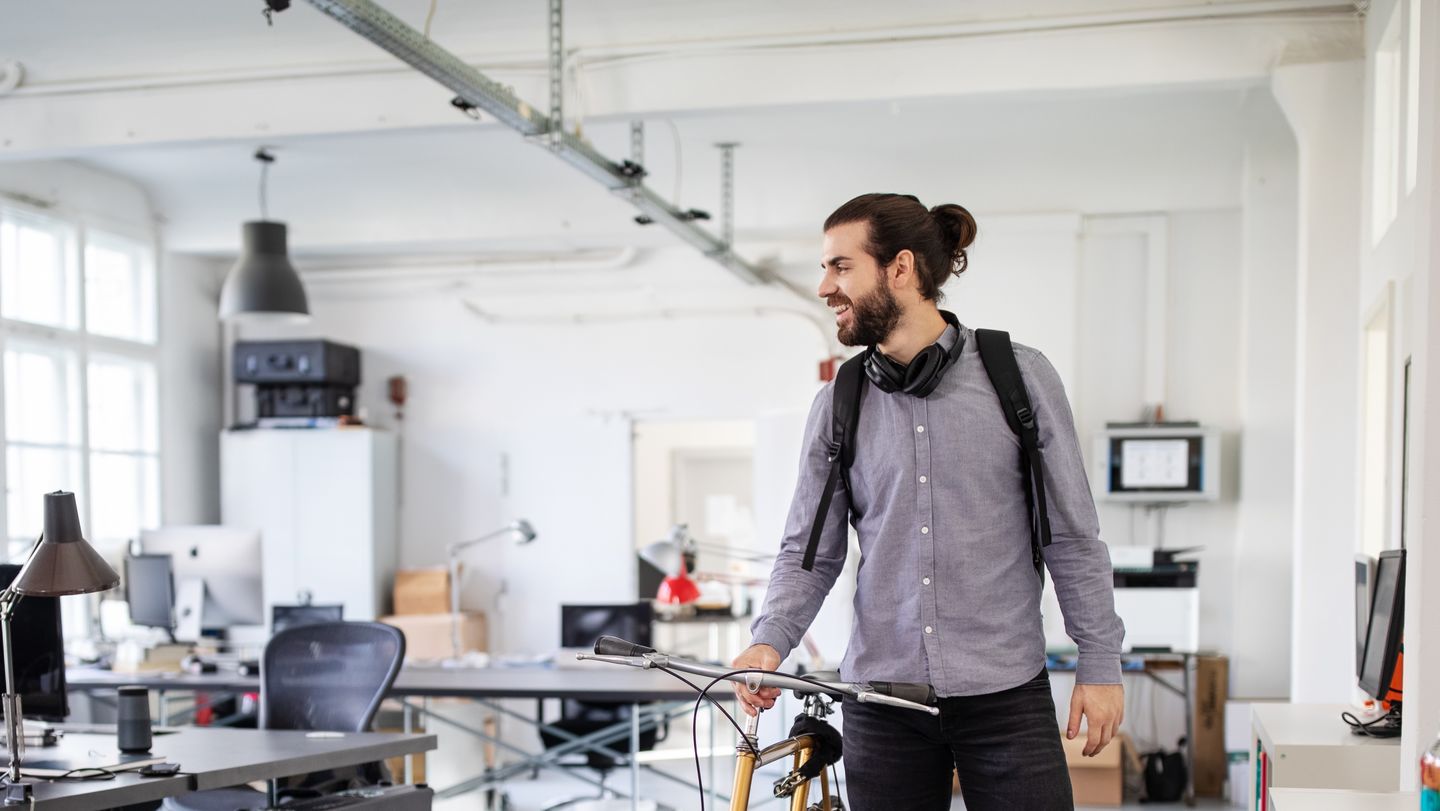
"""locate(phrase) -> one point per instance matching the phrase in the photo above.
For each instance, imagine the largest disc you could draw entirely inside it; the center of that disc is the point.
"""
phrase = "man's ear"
(901, 270)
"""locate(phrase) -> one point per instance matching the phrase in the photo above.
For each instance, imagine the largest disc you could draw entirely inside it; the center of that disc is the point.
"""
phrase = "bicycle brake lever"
(866, 696)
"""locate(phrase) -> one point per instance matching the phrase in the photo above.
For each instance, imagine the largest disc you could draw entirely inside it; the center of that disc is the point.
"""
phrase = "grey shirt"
(947, 592)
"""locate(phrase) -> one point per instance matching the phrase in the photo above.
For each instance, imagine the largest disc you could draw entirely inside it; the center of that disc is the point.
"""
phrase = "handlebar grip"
(615, 646)
(918, 693)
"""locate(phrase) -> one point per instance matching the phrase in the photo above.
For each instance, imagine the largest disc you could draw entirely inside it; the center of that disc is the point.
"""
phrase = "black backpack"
(998, 356)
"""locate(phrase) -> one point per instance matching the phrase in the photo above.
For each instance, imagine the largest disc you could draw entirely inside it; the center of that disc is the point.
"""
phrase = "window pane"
(42, 396)
(37, 271)
(125, 496)
(31, 473)
(119, 288)
(122, 403)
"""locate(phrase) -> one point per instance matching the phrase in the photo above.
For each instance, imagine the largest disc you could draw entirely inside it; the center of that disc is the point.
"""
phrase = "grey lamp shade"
(64, 563)
(263, 283)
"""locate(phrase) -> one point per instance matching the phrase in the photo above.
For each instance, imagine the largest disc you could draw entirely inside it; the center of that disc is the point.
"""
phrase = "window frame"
(84, 345)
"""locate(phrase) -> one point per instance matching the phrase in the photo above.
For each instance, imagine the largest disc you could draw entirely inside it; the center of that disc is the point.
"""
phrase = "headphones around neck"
(923, 373)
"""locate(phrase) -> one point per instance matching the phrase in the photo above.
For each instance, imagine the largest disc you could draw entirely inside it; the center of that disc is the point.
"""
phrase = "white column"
(1422, 577)
(1323, 105)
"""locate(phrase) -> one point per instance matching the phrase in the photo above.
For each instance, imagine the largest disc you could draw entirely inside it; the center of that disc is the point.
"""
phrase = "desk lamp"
(60, 564)
(674, 552)
(525, 533)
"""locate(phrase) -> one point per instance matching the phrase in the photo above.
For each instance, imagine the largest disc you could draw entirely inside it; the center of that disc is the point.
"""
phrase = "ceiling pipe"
(482, 93)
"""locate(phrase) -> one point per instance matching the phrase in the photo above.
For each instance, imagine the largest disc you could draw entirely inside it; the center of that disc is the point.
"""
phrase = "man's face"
(855, 287)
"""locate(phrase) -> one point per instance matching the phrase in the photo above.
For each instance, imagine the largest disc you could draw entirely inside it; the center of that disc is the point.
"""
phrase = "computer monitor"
(37, 644)
(1386, 625)
(150, 591)
(581, 625)
(1364, 593)
(1164, 463)
(293, 616)
(226, 560)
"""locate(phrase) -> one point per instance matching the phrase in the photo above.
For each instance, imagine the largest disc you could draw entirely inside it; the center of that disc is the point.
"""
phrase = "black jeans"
(1005, 745)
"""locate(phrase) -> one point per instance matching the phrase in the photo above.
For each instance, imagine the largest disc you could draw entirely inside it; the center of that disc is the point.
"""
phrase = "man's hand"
(1103, 706)
(762, 657)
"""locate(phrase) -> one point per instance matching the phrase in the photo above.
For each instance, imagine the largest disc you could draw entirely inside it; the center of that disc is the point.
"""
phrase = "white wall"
(1320, 102)
(1260, 657)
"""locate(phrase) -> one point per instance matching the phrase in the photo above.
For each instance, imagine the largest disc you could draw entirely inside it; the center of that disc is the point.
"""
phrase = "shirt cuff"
(1098, 668)
(764, 634)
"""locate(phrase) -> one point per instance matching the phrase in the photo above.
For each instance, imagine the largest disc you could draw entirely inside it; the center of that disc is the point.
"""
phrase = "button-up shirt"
(947, 592)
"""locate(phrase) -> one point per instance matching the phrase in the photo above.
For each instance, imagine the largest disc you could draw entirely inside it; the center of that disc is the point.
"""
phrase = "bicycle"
(812, 744)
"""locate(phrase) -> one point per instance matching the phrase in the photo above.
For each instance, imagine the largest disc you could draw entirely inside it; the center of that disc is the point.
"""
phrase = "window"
(1385, 131)
(81, 390)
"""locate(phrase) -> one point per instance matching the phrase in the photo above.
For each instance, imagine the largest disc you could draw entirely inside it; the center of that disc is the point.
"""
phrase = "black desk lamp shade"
(64, 563)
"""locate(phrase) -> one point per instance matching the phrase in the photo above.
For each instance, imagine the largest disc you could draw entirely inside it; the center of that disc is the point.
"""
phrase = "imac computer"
(217, 574)
(1380, 665)
(150, 591)
(38, 647)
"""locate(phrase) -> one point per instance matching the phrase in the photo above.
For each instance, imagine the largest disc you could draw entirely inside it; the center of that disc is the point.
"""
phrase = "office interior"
(587, 348)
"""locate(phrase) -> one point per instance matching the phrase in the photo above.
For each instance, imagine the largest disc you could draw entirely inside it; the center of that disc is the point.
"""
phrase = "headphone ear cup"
(886, 374)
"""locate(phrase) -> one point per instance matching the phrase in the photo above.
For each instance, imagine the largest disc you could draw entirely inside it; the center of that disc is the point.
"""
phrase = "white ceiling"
(387, 182)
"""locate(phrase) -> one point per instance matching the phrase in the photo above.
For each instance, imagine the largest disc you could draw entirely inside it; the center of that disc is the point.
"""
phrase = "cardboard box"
(427, 636)
(422, 591)
(1211, 690)
(1098, 780)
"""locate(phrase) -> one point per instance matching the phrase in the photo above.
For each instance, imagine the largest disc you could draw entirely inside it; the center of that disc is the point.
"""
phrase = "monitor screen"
(226, 559)
(1386, 624)
(150, 590)
(1150, 464)
(294, 616)
(37, 644)
(581, 625)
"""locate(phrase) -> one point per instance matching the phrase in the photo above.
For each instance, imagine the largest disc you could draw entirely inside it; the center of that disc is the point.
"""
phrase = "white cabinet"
(324, 502)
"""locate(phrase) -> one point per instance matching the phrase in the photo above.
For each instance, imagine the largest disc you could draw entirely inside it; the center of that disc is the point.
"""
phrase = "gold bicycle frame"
(801, 748)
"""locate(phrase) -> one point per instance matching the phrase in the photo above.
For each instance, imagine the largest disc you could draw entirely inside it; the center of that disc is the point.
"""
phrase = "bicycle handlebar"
(614, 650)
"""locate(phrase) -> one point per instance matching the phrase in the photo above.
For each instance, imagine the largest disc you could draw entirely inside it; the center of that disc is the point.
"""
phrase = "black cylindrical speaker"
(132, 725)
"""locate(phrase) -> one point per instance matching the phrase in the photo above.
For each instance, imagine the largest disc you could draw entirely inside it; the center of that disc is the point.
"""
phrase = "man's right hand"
(761, 657)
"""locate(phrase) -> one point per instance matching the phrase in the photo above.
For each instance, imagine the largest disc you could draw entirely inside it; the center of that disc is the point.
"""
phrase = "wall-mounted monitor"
(1157, 463)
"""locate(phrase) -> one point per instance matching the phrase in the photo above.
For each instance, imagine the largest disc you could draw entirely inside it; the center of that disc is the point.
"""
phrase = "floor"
(547, 790)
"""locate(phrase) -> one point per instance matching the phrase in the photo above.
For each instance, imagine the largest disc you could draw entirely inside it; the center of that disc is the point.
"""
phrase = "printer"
(1156, 596)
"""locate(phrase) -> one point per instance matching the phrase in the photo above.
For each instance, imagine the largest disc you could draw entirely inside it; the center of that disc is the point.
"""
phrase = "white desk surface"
(1287, 725)
(1312, 799)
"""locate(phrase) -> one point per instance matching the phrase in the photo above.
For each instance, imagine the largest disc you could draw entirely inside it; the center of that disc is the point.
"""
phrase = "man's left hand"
(1103, 706)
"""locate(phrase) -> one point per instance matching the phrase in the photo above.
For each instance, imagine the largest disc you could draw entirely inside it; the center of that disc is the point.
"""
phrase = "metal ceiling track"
(479, 91)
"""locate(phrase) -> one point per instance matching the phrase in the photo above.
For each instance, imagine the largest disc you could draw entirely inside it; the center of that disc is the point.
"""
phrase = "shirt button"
(926, 581)
(924, 530)
(929, 630)
(924, 479)
(919, 429)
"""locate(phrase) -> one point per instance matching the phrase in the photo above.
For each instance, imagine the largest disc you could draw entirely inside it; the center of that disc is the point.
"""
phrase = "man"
(948, 593)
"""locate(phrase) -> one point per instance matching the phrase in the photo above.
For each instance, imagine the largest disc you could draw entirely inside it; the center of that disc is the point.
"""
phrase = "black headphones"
(923, 373)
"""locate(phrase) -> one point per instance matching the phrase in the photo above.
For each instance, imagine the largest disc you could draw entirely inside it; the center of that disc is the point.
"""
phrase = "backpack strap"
(844, 416)
(998, 355)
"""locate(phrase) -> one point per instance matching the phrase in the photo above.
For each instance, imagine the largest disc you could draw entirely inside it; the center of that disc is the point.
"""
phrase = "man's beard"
(872, 318)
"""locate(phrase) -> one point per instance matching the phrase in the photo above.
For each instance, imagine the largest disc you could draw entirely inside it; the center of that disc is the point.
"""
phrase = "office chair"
(326, 677)
(580, 626)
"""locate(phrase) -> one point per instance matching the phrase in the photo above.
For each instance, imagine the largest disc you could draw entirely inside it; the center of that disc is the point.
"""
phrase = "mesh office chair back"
(330, 676)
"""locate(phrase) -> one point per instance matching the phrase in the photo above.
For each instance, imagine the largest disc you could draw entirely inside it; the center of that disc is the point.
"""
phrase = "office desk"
(212, 758)
(654, 698)
(1308, 746)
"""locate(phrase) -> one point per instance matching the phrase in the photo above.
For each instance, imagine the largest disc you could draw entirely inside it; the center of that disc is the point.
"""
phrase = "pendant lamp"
(263, 284)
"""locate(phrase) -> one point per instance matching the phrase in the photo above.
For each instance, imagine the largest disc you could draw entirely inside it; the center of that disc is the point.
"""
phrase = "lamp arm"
(458, 546)
(8, 600)
(452, 552)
